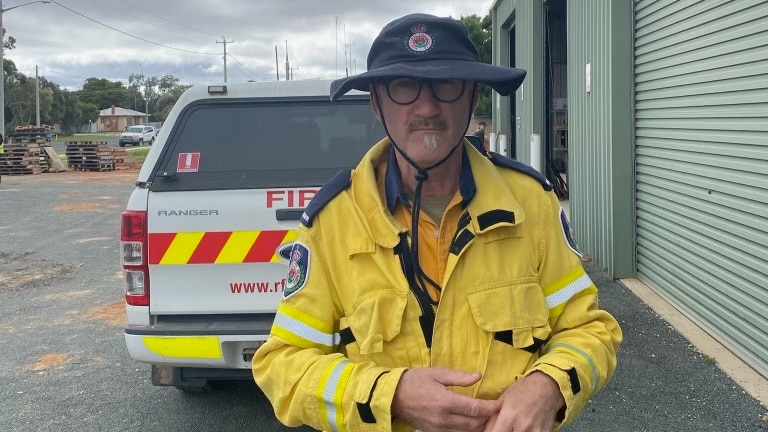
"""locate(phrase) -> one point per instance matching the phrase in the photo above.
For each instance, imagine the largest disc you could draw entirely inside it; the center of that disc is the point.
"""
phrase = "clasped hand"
(423, 399)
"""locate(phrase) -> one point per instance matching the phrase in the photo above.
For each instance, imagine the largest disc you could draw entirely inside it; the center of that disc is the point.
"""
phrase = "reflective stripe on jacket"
(515, 299)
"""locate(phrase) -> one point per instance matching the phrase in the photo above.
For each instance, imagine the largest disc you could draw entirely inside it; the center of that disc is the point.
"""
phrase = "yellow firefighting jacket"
(514, 300)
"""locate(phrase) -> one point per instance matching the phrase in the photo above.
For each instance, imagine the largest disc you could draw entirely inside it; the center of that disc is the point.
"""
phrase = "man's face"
(427, 128)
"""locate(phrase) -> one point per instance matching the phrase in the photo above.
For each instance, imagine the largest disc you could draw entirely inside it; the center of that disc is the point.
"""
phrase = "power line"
(126, 33)
(62, 73)
(245, 68)
(134, 6)
(181, 71)
(242, 71)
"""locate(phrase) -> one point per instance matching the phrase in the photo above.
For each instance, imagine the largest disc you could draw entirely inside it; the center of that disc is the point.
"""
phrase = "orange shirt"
(434, 241)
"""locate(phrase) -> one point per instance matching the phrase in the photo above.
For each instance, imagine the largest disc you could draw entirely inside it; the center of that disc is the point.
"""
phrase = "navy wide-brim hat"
(428, 47)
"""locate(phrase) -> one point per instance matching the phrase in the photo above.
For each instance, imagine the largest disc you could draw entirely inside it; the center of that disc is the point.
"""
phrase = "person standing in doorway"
(480, 133)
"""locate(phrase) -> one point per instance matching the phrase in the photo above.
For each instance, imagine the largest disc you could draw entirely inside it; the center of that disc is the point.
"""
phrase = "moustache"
(432, 123)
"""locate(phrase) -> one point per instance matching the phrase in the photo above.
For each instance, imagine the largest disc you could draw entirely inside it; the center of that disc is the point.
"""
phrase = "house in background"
(658, 113)
(116, 119)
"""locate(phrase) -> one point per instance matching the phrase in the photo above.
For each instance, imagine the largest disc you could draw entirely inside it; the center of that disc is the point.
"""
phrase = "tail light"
(133, 255)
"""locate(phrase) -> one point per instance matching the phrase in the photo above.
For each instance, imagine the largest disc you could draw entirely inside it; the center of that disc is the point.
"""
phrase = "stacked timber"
(90, 156)
(29, 151)
(20, 159)
(120, 155)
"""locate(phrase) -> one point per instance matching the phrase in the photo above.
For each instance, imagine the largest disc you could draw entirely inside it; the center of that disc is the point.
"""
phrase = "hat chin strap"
(421, 177)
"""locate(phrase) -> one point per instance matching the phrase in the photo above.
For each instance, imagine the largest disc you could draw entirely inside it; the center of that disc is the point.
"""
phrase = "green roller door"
(701, 81)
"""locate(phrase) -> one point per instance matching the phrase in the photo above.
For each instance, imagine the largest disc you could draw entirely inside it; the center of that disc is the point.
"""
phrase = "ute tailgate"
(215, 252)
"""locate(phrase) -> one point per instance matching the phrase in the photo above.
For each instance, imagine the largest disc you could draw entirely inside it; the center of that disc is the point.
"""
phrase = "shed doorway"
(556, 95)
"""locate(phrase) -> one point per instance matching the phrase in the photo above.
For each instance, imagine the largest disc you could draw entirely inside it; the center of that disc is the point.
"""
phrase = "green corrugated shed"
(668, 150)
(701, 73)
(524, 18)
(600, 148)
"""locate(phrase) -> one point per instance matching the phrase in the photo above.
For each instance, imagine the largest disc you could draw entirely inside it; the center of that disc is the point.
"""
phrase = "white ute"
(208, 230)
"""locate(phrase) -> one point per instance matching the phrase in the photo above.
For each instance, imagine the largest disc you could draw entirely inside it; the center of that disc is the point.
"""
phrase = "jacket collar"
(480, 180)
(393, 185)
(488, 203)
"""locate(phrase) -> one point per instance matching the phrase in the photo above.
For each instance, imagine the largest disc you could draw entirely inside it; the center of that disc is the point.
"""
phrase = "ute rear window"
(247, 144)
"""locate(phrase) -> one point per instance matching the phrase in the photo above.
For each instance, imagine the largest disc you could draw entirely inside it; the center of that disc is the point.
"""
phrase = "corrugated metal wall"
(526, 17)
(702, 164)
(600, 148)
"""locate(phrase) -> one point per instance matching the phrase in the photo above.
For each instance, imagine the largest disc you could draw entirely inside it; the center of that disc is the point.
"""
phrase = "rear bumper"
(224, 345)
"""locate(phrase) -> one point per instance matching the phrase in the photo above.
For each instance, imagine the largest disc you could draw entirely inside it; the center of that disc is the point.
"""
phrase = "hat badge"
(419, 41)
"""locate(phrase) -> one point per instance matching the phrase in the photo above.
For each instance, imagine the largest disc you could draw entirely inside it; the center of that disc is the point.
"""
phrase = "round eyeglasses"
(405, 91)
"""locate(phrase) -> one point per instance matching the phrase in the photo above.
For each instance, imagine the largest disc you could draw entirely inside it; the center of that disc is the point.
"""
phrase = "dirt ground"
(29, 269)
(75, 176)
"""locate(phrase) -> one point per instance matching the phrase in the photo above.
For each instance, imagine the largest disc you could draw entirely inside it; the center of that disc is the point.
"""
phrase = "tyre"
(152, 141)
(122, 144)
(141, 142)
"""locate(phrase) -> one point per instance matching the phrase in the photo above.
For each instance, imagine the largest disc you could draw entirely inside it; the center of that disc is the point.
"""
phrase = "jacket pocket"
(372, 325)
(513, 324)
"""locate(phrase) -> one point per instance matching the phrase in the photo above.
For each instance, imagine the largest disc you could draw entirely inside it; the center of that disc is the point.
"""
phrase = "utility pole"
(337, 46)
(277, 65)
(346, 61)
(287, 65)
(146, 95)
(225, 42)
(352, 69)
(37, 97)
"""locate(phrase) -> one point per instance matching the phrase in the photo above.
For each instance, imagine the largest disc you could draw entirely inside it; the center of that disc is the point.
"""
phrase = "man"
(480, 132)
(432, 287)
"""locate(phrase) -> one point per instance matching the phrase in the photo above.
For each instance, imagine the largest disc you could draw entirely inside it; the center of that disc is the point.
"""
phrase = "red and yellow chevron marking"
(218, 247)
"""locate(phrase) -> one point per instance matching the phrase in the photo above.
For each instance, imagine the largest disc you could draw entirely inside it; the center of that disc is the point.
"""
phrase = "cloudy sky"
(72, 40)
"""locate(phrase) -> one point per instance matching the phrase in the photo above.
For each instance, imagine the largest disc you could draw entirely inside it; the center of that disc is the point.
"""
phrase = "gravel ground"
(662, 382)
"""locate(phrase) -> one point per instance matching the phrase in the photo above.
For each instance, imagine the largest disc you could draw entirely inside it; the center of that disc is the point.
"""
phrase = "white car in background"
(138, 135)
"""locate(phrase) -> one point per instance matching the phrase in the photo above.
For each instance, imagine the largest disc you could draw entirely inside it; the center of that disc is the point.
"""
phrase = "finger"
(453, 377)
(456, 422)
(503, 423)
(489, 425)
(471, 407)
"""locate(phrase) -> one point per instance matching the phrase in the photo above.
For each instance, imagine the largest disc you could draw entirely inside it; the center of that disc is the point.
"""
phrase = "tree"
(10, 76)
(88, 113)
(160, 93)
(56, 113)
(20, 97)
(480, 33)
(135, 92)
(70, 110)
(166, 101)
(105, 93)
(10, 43)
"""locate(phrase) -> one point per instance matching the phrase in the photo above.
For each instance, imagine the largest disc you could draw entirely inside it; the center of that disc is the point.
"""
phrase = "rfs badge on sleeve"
(567, 233)
(298, 270)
